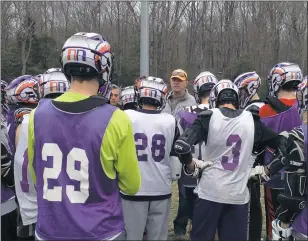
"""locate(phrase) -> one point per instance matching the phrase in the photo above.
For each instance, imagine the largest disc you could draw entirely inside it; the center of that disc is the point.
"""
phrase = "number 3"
(232, 163)
(76, 154)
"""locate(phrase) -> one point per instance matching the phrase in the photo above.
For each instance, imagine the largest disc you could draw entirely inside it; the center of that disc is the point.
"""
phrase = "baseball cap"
(180, 74)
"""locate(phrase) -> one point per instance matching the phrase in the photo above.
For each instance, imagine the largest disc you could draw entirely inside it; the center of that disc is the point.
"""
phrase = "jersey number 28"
(82, 175)
(157, 146)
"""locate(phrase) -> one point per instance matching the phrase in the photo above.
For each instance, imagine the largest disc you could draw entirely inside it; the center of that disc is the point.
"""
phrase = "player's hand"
(260, 172)
(202, 164)
(195, 168)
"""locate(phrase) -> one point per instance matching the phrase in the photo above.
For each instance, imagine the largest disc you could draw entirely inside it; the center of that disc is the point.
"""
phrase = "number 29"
(55, 194)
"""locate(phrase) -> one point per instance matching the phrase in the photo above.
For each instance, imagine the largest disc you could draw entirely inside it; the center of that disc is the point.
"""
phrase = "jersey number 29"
(82, 175)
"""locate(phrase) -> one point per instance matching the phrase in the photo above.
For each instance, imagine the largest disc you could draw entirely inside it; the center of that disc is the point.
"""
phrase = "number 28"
(76, 154)
(157, 146)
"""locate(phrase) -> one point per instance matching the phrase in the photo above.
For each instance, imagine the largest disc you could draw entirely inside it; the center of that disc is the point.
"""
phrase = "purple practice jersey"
(76, 199)
(300, 224)
(284, 121)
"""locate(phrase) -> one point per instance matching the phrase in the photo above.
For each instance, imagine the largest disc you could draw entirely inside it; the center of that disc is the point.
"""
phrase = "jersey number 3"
(81, 174)
(157, 146)
(231, 163)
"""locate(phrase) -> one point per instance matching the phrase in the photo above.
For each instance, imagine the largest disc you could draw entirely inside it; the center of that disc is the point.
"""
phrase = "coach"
(179, 96)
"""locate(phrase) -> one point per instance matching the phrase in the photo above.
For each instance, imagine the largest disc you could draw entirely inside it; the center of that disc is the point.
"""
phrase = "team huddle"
(77, 165)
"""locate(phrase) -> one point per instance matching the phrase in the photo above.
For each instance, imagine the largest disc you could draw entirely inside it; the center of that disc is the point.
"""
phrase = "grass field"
(174, 209)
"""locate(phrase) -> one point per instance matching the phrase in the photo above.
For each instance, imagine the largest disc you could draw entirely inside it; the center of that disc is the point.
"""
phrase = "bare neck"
(88, 88)
(229, 106)
(286, 94)
(205, 101)
(149, 107)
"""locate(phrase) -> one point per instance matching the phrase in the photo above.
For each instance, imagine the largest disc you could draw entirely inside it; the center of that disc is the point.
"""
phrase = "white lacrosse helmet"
(87, 54)
(302, 94)
(248, 84)
(153, 90)
(128, 95)
(230, 93)
(52, 83)
(282, 74)
(51, 70)
(205, 78)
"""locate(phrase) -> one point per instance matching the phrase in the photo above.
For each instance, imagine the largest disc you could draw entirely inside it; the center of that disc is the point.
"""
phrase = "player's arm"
(19, 116)
(176, 136)
(118, 153)
(295, 147)
(7, 172)
(31, 146)
(264, 136)
(17, 135)
(192, 135)
(176, 165)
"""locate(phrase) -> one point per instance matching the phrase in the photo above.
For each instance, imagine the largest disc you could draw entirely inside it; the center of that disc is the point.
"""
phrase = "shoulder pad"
(206, 113)
(187, 108)
(194, 109)
(277, 105)
(265, 101)
(254, 110)
(298, 134)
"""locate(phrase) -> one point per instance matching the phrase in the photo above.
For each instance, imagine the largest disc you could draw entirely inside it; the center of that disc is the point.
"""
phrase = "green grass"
(174, 209)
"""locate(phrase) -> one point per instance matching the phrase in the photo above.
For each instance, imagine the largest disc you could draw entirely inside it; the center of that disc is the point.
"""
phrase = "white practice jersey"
(25, 190)
(154, 135)
(229, 147)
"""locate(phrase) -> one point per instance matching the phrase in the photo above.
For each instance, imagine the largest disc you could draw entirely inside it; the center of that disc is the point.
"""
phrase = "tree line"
(224, 37)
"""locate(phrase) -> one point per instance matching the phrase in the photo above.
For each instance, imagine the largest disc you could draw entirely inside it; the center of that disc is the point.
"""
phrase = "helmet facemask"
(244, 97)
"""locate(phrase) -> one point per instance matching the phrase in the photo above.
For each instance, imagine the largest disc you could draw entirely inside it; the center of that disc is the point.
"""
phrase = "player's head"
(302, 98)
(284, 76)
(87, 57)
(53, 84)
(23, 90)
(138, 81)
(115, 95)
(248, 85)
(203, 85)
(4, 101)
(152, 92)
(19, 113)
(224, 92)
(128, 98)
